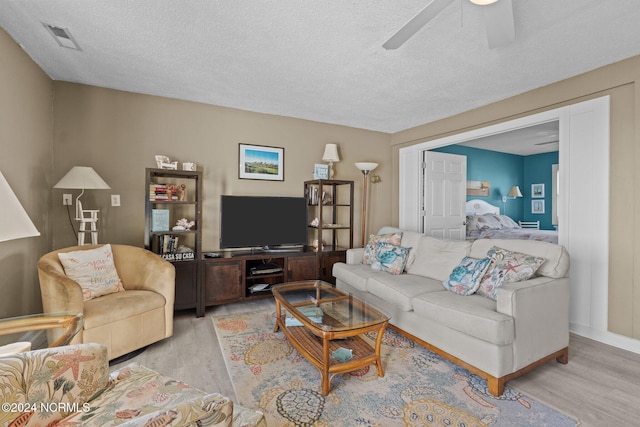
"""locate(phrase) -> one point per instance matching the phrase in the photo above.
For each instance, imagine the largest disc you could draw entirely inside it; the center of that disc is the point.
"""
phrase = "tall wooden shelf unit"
(331, 202)
(187, 271)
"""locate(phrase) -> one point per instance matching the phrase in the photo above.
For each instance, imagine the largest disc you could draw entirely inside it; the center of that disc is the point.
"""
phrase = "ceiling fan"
(498, 17)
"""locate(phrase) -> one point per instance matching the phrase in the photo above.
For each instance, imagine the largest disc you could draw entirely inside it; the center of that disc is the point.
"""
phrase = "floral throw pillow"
(465, 278)
(390, 258)
(375, 240)
(507, 267)
(94, 271)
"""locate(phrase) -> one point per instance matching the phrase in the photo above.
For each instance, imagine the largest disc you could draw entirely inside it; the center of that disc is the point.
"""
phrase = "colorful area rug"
(419, 387)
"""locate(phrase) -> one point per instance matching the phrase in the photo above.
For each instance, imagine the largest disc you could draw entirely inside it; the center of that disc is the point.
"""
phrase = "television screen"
(257, 221)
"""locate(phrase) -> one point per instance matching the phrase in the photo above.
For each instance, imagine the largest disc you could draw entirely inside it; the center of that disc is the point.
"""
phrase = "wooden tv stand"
(234, 275)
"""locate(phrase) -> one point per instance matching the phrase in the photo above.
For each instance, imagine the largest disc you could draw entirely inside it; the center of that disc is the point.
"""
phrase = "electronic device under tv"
(263, 222)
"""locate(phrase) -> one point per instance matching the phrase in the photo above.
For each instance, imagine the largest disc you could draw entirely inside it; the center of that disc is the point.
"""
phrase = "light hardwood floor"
(600, 386)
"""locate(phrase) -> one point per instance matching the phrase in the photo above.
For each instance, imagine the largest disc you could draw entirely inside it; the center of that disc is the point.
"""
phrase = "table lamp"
(331, 155)
(14, 221)
(83, 178)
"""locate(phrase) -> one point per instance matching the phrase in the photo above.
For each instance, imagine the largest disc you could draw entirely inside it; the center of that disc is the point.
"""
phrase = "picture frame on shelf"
(537, 191)
(537, 206)
(261, 162)
(320, 171)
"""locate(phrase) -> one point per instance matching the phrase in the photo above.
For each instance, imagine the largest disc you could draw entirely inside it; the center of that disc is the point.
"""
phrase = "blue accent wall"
(537, 170)
(503, 171)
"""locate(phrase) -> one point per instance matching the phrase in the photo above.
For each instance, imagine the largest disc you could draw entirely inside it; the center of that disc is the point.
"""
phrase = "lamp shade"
(515, 192)
(366, 166)
(483, 2)
(82, 178)
(331, 153)
(14, 221)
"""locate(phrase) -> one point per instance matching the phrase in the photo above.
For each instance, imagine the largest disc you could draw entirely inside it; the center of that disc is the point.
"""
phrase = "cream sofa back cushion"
(437, 258)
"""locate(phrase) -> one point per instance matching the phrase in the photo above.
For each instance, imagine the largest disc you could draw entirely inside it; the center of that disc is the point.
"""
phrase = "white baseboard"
(605, 337)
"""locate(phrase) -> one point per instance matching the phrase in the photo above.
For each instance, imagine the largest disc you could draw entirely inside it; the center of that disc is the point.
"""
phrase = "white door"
(444, 195)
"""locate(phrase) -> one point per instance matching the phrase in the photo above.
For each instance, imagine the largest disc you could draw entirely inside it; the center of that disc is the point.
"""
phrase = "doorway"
(583, 212)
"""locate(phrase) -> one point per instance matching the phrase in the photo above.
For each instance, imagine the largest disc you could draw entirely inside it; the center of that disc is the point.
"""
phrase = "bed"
(484, 221)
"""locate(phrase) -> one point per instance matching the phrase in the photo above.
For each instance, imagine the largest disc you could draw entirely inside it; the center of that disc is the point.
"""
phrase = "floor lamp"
(365, 168)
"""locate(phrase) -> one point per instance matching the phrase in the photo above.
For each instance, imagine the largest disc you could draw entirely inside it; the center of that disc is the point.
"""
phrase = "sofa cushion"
(556, 256)
(411, 239)
(473, 315)
(400, 290)
(465, 277)
(371, 249)
(436, 258)
(390, 258)
(354, 274)
(93, 269)
(121, 305)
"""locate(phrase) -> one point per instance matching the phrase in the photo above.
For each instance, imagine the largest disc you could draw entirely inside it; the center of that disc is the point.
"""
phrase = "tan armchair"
(122, 321)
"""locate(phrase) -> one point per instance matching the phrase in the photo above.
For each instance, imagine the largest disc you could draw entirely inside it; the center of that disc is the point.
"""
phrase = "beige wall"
(619, 81)
(118, 133)
(26, 139)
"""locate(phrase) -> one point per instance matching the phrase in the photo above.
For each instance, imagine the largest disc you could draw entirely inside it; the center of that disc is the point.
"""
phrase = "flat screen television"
(262, 222)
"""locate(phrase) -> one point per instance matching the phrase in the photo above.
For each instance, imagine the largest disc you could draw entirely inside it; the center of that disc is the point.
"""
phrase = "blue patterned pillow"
(465, 278)
(390, 258)
(375, 240)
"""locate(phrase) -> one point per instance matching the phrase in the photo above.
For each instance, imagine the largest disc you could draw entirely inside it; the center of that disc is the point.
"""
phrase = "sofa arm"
(354, 256)
(540, 309)
(71, 374)
(141, 269)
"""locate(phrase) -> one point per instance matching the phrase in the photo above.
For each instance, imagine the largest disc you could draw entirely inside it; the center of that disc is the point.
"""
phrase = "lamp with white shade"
(365, 168)
(14, 221)
(84, 178)
(331, 155)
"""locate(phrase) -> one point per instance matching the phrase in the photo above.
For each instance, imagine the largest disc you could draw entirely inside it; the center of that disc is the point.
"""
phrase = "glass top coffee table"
(325, 325)
(14, 340)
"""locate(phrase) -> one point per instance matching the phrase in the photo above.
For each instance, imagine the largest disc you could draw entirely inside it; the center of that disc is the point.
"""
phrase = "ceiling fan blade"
(498, 19)
(416, 23)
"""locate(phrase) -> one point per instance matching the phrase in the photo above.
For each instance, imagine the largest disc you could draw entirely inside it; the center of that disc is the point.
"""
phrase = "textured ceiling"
(322, 60)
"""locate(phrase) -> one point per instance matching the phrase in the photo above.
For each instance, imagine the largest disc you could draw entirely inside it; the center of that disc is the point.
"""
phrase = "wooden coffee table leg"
(378, 345)
(277, 326)
(326, 382)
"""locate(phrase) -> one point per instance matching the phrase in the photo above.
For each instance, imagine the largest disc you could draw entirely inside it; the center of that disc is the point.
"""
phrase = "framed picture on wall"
(537, 191)
(537, 206)
(261, 162)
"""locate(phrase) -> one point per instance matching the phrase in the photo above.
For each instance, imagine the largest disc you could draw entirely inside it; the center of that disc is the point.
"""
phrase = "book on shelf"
(158, 192)
(160, 220)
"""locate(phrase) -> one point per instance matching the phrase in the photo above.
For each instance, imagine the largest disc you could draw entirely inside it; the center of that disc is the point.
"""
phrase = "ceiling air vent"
(62, 36)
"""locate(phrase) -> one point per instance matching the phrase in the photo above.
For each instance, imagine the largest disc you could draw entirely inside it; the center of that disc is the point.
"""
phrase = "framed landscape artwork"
(261, 162)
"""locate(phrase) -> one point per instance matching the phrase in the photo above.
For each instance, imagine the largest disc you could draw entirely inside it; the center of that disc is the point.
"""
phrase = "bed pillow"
(390, 258)
(375, 240)
(465, 278)
(507, 222)
(94, 271)
(507, 267)
(490, 222)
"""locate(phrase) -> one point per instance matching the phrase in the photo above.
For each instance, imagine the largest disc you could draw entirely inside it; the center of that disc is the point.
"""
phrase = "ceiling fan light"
(483, 2)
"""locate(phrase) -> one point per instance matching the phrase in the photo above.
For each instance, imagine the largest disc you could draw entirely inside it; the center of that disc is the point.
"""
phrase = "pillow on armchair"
(94, 271)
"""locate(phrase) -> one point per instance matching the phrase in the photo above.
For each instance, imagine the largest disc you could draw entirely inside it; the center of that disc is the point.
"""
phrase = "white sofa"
(525, 327)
